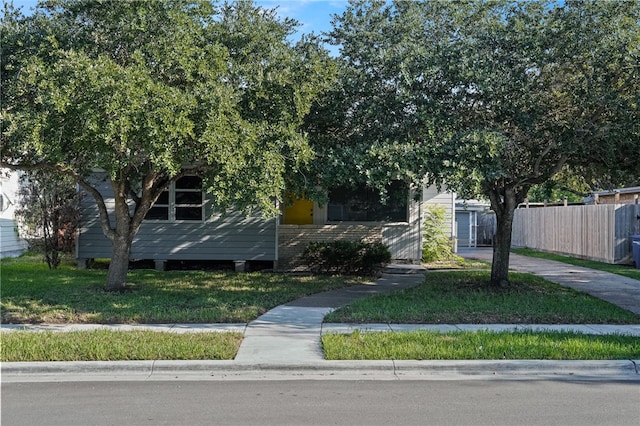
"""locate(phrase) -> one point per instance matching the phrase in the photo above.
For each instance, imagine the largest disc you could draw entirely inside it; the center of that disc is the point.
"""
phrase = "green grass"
(464, 297)
(31, 293)
(624, 270)
(429, 345)
(108, 345)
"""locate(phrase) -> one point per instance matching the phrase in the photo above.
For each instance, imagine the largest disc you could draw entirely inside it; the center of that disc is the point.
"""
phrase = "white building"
(11, 245)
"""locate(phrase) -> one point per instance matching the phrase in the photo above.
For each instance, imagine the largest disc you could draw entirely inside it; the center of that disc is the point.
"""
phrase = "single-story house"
(182, 226)
(11, 245)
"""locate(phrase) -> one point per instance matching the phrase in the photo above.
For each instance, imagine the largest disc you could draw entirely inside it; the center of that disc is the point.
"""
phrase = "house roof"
(472, 205)
(629, 190)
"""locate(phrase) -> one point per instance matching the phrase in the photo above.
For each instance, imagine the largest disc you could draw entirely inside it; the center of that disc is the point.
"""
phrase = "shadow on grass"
(31, 293)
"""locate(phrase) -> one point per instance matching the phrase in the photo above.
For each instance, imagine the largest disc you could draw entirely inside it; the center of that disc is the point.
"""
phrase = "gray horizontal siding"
(208, 240)
(403, 241)
(11, 244)
(230, 237)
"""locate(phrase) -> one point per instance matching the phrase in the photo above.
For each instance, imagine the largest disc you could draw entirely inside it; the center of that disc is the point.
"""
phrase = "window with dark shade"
(189, 182)
(158, 213)
(363, 204)
(184, 200)
(163, 198)
(183, 197)
(160, 209)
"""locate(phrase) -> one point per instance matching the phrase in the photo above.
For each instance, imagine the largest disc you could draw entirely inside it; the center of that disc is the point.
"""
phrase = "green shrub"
(346, 257)
(437, 245)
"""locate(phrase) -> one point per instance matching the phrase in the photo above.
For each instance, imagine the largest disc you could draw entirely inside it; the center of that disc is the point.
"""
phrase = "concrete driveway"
(619, 290)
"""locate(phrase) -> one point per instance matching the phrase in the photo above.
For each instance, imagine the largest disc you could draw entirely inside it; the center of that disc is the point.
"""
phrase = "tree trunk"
(502, 249)
(504, 204)
(119, 265)
(126, 226)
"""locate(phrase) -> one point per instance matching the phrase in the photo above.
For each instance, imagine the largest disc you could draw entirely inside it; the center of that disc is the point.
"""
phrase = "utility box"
(635, 249)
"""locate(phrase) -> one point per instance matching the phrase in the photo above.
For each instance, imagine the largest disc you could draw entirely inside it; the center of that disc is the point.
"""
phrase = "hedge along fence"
(597, 232)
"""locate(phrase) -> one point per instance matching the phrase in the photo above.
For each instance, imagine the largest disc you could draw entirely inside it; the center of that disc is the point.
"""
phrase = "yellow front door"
(299, 213)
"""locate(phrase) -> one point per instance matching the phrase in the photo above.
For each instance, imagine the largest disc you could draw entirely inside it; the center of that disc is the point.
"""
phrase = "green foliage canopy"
(481, 93)
(160, 88)
(487, 97)
(150, 91)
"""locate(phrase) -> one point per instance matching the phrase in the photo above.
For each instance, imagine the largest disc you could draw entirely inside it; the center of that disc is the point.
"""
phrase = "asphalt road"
(322, 402)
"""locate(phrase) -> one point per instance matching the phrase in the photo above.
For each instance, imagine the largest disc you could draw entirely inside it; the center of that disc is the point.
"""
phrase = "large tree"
(487, 97)
(150, 91)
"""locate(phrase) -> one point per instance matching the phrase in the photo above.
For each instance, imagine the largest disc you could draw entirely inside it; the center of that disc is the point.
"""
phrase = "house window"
(362, 204)
(183, 200)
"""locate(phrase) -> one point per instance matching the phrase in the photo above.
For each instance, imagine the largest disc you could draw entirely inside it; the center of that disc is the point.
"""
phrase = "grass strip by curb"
(109, 345)
(485, 345)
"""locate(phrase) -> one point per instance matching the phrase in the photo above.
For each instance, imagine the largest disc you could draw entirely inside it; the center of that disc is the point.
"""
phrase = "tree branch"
(102, 207)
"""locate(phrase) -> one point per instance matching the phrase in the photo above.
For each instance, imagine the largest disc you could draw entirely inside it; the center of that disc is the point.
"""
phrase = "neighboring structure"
(475, 223)
(11, 245)
(629, 195)
(182, 226)
(564, 203)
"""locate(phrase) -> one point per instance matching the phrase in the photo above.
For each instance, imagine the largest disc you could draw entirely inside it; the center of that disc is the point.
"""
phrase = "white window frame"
(172, 206)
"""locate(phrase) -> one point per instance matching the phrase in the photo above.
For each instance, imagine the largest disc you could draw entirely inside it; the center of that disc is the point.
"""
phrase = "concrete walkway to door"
(291, 332)
(619, 290)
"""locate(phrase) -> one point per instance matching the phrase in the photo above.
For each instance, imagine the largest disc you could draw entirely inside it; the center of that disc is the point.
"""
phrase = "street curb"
(379, 370)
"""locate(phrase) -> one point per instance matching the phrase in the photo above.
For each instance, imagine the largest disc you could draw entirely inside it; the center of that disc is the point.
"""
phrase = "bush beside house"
(346, 257)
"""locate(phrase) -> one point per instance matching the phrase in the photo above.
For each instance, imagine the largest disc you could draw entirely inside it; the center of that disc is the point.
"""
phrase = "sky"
(313, 15)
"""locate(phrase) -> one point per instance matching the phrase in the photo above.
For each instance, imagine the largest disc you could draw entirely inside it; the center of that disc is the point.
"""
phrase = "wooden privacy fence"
(596, 232)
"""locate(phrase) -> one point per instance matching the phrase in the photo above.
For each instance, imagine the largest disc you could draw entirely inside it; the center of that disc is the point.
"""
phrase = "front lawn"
(423, 345)
(463, 297)
(31, 293)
